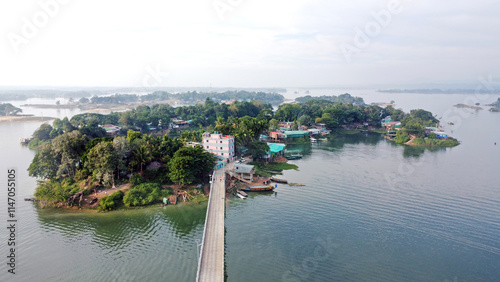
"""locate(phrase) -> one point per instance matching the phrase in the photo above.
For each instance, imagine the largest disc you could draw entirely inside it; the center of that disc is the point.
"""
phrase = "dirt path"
(412, 137)
(102, 193)
(110, 191)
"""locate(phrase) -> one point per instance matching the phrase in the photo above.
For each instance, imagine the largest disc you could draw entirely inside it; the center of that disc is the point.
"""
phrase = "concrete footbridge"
(211, 260)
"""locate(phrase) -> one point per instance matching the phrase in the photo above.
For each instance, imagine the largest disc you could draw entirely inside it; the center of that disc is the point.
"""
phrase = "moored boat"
(241, 196)
(258, 188)
(242, 193)
(278, 180)
(294, 157)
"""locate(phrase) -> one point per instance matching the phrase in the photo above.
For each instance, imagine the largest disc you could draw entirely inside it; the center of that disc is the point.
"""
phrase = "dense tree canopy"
(190, 97)
(102, 160)
(43, 132)
(44, 164)
(333, 115)
(190, 164)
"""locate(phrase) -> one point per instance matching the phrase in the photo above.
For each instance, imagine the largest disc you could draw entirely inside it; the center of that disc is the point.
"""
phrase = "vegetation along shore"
(152, 153)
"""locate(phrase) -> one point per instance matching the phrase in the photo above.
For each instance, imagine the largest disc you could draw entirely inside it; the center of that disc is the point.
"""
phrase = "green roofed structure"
(276, 148)
(295, 134)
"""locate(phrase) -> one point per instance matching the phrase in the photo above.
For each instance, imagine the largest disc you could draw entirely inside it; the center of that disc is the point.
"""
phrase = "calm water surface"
(370, 210)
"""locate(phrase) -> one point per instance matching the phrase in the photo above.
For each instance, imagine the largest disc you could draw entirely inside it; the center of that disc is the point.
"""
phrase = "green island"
(418, 128)
(150, 155)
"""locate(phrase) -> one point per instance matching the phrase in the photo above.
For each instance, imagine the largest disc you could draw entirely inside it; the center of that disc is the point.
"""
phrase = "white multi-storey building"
(222, 146)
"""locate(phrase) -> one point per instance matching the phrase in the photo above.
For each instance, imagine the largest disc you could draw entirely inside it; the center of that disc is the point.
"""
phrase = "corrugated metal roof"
(296, 133)
(242, 168)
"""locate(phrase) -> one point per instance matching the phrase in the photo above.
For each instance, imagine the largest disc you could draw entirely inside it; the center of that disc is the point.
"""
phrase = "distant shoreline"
(26, 118)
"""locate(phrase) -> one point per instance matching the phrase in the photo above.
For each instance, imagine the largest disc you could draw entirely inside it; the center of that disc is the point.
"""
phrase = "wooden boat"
(93, 201)
(294, 157)
(279, 180)
(242, 193)
(258, 188)
(241, 196)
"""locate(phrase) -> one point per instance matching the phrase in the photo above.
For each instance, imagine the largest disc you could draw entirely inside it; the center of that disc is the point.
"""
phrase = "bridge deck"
(211, 266)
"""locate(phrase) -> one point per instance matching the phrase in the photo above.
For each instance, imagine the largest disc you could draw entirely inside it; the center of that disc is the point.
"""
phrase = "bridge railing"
(205, 227)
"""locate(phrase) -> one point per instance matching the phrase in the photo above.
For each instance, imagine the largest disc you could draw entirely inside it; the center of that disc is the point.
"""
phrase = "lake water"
(370, 210)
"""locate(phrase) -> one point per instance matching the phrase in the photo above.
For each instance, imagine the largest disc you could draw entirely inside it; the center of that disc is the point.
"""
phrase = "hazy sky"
(253, 43)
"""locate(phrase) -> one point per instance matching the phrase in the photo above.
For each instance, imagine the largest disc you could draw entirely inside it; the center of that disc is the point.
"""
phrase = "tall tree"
(122, 150)
(102, 161)
(44, 164)
(43, 132)
(141, 154)
(258, 148)
(190, 164)
(69, 147)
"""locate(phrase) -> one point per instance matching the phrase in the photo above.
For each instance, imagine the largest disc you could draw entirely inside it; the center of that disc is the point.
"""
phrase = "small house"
(430, 129)
(392, 125)
(285, 124)
(111, 130)
(314, 131)
(275, 150)
(277, 136)
(441, 135)
(244, 171)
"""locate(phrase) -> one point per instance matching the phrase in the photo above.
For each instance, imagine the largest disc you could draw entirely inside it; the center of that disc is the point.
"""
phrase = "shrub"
(419, 141)
(111, 202)
(401, 137)
(136, 179)
(52, 192)
(142, 194)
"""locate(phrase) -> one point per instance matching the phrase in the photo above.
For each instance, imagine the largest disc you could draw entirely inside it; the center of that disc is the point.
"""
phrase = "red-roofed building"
(111, 129)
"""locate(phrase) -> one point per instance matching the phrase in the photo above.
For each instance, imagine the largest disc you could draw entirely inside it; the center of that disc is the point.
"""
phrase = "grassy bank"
(263, 169)
(450, 142)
